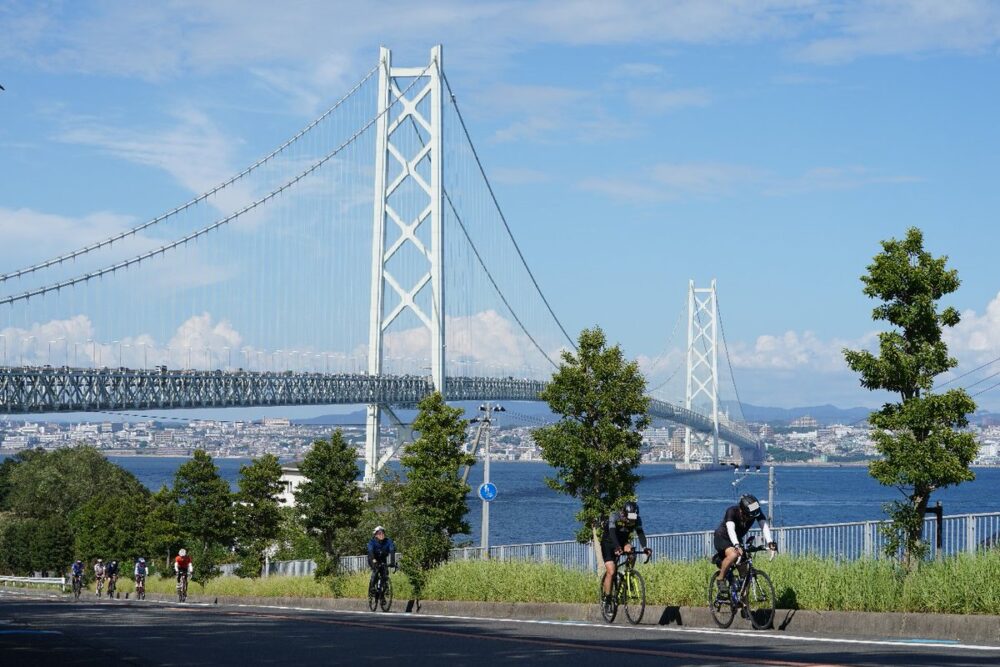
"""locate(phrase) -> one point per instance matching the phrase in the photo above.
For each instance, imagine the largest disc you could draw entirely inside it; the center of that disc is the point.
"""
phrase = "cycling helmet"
(142, 560)
(377, 529)
(630, 511)
(750, 506)
(78, 562)
(182, 553)
(100, 560)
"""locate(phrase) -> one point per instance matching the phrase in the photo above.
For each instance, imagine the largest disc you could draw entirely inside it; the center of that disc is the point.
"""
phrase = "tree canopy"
(595, 446)
(920, 437)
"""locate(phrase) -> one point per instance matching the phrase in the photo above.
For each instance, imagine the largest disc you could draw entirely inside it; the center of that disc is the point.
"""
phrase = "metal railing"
(965, 533)
(35, 581)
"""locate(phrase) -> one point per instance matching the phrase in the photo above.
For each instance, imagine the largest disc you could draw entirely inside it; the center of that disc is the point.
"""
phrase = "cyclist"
(111, 572)
(99, 575)
(380, 549)
(77, 569)
(618, 531)
(139, 572)
(183, 565)
(736, 523)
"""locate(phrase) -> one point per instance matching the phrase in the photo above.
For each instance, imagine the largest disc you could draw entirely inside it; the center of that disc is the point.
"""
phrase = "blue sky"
(633, 145)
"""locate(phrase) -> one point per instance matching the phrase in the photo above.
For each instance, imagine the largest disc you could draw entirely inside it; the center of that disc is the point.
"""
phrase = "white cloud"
(663, 101)
(906, 27)
(819, 179)
(637, 70)
(976, 338)
(703, 178)
(31, 235)
(793, 350)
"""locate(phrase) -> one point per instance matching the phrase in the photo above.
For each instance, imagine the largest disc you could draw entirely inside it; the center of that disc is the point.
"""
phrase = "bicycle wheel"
(373, 594)
(721, 606)
(386, 600)
(634, 597)
(609, 607)
(760, 601)
(76, 589)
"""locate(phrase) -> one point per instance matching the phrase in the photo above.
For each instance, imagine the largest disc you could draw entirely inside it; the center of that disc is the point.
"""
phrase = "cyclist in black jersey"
(729, 535)
(615, 539)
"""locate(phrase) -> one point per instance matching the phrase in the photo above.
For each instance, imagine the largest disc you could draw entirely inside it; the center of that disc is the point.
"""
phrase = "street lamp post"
(23, 343)
(487, 490)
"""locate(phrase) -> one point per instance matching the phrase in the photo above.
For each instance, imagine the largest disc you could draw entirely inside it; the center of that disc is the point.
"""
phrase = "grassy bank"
(962, 585)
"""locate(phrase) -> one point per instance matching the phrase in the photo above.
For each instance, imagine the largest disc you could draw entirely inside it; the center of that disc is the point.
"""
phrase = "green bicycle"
(628, 589)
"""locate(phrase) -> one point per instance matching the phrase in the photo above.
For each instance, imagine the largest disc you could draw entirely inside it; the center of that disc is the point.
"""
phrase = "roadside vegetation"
(960, 585)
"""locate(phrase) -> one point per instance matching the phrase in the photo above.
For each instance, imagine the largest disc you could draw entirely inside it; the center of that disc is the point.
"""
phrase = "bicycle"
(112, 584)
(380, 589)
(752, 593)
(77, 586)
(628, 589)
(140, 587)
(182, 587)
(100, 586)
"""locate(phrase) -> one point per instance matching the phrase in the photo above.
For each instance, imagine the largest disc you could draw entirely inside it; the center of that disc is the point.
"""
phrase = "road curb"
(856, 625)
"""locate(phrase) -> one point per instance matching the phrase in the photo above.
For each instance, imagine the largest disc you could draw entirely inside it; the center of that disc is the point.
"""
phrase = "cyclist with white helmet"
(99, 575)
(729, 535)
(380, 550)
(183, 565)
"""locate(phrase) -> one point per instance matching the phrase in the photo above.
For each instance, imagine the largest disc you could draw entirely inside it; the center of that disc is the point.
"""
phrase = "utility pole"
(487, 490)
(770, 485)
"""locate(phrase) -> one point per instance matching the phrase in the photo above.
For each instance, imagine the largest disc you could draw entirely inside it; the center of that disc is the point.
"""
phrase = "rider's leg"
(731, 555)
(609, 573)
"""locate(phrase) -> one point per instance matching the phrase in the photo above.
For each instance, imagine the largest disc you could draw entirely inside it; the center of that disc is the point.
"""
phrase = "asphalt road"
(42, 629)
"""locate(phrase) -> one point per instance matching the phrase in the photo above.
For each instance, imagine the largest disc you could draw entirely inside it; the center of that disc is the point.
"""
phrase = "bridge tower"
(702, 373)
(418, 113)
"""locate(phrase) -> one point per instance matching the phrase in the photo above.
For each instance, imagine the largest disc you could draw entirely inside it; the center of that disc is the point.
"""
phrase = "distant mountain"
(824, 414)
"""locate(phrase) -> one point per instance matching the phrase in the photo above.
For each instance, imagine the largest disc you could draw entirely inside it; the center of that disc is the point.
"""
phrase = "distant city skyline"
(633, 146)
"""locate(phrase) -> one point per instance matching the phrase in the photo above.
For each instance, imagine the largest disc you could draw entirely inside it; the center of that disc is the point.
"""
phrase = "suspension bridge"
(366, 261)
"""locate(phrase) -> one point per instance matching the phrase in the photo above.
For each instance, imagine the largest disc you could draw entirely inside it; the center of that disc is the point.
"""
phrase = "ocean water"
(526, 510)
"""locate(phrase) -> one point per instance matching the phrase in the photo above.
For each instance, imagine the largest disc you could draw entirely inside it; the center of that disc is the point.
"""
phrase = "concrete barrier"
(855, 625)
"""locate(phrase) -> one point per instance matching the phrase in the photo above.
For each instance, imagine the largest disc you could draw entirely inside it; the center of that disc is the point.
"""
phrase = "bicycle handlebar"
(625, 555)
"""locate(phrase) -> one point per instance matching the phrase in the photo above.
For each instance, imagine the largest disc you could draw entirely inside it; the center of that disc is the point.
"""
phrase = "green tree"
(113, 527)
(330, 499)
(595, 445)
(57, 483)
(918, 437)
(434, 494)
(7, 468)
(294, 543)
(163, 528)
(29, 544)
(258, 519)
(205, 513)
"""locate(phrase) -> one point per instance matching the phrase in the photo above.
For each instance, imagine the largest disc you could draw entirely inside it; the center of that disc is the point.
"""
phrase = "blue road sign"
(488, 491)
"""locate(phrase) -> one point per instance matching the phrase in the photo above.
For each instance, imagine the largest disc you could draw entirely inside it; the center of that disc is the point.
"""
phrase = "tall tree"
(6, 470)
(205, 513)
(163, 528)
(434, 493)
(113, 527)
(330, 499)
(919, 437)
(58, 482)
(595, 445)
(258, 519)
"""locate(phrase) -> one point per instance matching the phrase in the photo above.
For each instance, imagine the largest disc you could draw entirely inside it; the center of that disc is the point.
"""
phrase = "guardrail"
(964, 533)
(41, 581)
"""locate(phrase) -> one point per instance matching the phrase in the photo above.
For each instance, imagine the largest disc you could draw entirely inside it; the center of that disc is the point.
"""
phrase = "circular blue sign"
(488, 491)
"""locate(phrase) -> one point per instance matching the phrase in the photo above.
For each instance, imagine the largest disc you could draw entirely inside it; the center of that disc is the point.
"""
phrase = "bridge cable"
(503, 218)
(200, 198)
(977, 368)
(494, 282)
(666, 347)
(55, 287)
(729, 361)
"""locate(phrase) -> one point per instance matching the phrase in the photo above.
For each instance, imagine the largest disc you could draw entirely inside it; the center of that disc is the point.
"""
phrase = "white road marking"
(758, 634)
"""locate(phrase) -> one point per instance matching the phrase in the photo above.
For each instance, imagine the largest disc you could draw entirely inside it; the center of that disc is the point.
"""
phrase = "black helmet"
(630, 511)
(750, 505)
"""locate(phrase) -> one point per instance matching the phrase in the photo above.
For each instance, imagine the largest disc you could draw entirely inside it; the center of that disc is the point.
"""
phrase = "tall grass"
(960, 585)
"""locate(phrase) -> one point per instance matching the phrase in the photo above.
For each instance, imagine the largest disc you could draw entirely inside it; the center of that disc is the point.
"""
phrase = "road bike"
(750, 592)
(182, 587)
(112, 584)
(380, 589)
(628, 589)
(77, 586)
(100, 585)
(140, 587)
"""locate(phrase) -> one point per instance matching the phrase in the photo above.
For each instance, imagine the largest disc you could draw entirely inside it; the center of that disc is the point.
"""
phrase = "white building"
(291, 478)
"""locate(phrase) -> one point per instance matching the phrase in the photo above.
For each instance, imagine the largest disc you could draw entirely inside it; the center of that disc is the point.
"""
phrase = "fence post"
(503, 551)
(545, 553)
(869, 546)
(970, 534)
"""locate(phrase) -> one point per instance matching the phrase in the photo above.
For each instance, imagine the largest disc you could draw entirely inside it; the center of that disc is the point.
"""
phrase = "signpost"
(487, 490)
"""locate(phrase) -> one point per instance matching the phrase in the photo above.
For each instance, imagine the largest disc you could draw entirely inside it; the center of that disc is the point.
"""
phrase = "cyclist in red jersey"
(183, 565)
